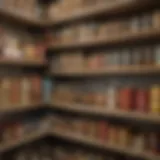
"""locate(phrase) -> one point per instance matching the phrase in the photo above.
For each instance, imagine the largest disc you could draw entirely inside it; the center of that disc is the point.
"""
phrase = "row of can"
(149, 55)
(100, 30)
(109, 133)
(24, 90)
(140, 99)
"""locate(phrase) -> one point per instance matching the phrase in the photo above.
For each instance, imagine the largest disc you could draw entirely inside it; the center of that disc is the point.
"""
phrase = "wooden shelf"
(26, 139)
(108, 147)
(21, 107)
(21, 63)
(107, 10)
(17, 16)
(120, 39)
(119, 70)
(101, 111)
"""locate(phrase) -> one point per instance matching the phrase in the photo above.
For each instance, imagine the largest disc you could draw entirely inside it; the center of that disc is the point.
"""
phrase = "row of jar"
(59, 8)
(101, 30)
(139, 99)
(30, 9)
(103, 59)
(109, 133)
(20, 45)
(15, 130)
(44, 151)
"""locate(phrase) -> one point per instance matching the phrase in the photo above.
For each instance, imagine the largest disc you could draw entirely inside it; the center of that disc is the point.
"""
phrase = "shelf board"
(120, 39)
(106, 9)
(20, 107)
(117, 8)
(16, 143)
(108, 147)
(21, 63)
(101, 111)
(17, 16)
(119, 70)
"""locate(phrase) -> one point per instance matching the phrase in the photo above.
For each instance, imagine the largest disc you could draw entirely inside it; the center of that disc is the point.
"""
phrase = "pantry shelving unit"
(125, 7)
(131, 38)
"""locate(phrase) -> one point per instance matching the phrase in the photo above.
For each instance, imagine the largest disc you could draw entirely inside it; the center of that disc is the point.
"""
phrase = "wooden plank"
(115, 70)
(101, 111)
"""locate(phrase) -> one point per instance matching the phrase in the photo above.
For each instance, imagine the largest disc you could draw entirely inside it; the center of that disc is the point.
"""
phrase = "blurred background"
(79, 80)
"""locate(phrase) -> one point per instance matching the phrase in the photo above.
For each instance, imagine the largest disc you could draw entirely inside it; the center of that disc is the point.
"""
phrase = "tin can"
(124, 137)
(15, 91)
(99, 99)
(137, 56)
(115, 58)
(155, 99)
(148, 56)
(156, 21)
(36, 89)
(135, 24)
(141, 100)
(125, 58)
(157, 55)
(47, 90)
(26, 91)
(6, 84)
(111, 98)
(102, 130)
(112, 137)
(153, 143)
(93, 129)
(138, 142)
(146, 21)
(126, 99)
